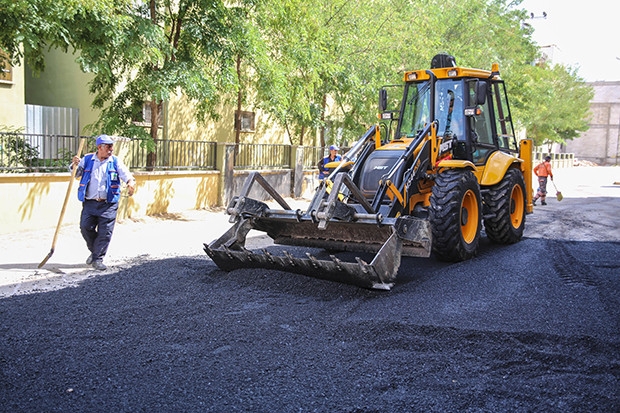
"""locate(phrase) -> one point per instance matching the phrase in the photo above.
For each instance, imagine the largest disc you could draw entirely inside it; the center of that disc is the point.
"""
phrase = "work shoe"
(89, 260)
(99, 265)
(543, 203)
(534, 202)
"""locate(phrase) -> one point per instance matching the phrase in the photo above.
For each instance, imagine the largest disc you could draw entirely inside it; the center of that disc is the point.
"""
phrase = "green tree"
(137, 51)
(320, 54)
(287, 61)
(161, 48)
(554, 105)
(309, 64)
(343, 52)
(30, 27)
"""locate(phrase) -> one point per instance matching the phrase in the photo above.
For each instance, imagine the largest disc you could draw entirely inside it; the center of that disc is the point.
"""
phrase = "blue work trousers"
(97, 225)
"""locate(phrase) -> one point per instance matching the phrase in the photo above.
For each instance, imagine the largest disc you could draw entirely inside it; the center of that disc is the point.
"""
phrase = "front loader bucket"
(379, 274)
(334, 227)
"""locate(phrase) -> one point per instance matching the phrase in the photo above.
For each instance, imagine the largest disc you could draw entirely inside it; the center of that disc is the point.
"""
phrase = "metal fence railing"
(24, 153)
(172, 155)
(262, 156)
(312, 155)
(52, 153)
(20, 152)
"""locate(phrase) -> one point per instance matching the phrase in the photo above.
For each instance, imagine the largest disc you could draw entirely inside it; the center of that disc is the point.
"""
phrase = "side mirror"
(382, 100)
(481, 93)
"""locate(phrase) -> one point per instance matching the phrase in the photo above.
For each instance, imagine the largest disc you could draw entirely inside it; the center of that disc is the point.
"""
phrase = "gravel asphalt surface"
(528, 327)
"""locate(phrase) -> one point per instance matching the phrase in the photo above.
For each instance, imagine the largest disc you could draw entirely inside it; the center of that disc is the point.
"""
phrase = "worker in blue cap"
(332, 157)
(100, 176)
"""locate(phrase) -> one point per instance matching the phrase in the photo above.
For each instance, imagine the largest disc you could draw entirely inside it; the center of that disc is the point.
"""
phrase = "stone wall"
(601, 143)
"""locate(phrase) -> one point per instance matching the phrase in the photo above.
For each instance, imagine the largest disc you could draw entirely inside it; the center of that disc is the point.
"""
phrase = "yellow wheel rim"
(469, 216)
(516, 206)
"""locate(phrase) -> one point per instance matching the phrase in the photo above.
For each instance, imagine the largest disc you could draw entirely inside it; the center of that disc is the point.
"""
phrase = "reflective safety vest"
(113, 180)
(543, 169)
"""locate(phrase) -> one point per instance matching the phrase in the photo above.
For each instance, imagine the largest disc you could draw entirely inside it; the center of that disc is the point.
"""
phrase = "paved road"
(529, 327)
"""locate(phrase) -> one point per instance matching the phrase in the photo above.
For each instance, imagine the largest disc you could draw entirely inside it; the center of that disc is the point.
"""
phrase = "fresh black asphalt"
(529, 327)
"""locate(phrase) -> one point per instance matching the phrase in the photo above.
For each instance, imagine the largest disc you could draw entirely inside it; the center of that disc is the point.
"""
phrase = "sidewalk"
(146, 238)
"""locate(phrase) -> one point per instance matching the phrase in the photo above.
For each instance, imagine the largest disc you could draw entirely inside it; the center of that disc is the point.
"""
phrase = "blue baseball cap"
(334, 148)
(104, 139)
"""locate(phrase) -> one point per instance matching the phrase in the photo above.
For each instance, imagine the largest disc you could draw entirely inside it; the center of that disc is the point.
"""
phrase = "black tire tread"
(446, 198)
(498, 227)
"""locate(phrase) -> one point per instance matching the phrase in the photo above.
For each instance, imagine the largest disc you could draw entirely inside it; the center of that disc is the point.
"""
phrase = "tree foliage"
(309, 64)
(30, 27)
(347, 51)
(137, 51)
(158, 49)
(553, 103)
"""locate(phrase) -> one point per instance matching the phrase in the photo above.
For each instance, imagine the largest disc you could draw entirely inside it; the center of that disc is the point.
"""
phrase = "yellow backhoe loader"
(424, 180)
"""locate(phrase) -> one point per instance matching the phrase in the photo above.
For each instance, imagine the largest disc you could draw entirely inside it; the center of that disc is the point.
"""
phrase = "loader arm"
(330, 222)
(419, 166)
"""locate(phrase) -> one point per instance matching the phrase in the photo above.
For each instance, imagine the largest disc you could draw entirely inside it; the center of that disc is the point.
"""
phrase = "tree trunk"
(323, 120)
(238, 112)
(239, 101)
(301, 135)
(151, 158)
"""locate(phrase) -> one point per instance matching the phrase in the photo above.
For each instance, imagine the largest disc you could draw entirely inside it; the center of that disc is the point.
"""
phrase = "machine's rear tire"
(455, 215)
(505, 202)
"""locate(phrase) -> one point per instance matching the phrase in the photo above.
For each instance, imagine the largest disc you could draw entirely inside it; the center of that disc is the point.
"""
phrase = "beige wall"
(34, 201)
(31, 201)
(12, 112)
(183, 125)
(62, 84)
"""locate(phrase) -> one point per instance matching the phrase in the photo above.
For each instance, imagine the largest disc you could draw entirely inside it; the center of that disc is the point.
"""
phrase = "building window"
(244, 121)
(145, 115)
(6, 70)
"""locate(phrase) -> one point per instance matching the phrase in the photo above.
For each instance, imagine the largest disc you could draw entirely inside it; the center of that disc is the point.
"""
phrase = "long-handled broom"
(64, 206)
(558, 194)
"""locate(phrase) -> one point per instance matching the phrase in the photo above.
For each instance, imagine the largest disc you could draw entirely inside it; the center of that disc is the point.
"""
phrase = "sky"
(584, 35)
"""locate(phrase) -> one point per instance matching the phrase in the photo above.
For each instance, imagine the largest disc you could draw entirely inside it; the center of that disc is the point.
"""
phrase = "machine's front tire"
(505, 203)
(455, 215)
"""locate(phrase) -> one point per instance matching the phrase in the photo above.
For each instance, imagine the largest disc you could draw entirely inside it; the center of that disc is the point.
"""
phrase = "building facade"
(57, 102)
(601, 143)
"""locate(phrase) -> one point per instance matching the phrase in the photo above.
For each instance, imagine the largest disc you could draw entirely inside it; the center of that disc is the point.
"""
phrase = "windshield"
(416, 110)
(448, 108)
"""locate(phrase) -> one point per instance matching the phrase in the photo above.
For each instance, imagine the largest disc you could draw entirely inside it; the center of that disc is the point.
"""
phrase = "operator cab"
(470, 107)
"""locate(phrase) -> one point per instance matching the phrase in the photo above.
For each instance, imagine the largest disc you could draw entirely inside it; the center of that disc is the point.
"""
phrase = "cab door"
(480, 122)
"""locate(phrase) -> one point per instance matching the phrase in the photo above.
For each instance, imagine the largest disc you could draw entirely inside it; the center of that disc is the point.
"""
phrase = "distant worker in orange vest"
(542, 171)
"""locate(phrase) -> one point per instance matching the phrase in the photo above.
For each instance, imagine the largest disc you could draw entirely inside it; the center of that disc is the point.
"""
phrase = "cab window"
(481, 128)
(449, 108)
(503, 123)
